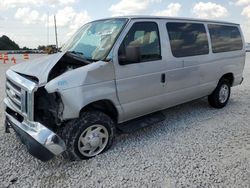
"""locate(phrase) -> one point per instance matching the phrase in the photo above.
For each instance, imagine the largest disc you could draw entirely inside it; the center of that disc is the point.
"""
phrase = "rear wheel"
(88, 136)
(219, 98)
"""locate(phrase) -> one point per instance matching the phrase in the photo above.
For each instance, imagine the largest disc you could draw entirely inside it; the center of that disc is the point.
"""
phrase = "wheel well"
(229, 77)
(105, 106)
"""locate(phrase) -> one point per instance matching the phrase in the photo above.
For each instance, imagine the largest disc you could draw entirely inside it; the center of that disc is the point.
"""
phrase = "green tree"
(7, 44)
(25, 48)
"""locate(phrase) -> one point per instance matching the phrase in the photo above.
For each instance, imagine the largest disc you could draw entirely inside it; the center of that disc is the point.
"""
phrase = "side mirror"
(130, 55)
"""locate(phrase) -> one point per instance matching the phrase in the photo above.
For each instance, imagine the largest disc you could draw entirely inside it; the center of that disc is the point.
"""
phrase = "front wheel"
(219, 98)
(88, 136)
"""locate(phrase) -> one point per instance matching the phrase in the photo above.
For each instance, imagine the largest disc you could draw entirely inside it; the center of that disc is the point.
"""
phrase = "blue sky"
(26, 21)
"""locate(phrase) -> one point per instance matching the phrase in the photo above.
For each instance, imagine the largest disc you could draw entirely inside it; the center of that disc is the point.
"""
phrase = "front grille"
(16, 95)
(20, 94)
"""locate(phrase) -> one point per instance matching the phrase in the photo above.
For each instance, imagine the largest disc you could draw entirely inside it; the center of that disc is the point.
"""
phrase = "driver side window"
(145, 37)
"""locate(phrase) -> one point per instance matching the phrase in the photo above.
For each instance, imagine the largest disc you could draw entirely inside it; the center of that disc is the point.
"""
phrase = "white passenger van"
(115, 71)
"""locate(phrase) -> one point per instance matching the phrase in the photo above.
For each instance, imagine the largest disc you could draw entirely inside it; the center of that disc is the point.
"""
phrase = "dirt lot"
(197, 146)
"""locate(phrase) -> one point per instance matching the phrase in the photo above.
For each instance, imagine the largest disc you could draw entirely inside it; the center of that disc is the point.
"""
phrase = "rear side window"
(144, 35)
(225, 38)
(187, 39)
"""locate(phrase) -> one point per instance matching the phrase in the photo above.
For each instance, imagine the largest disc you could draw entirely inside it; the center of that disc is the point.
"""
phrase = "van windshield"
(94, 40)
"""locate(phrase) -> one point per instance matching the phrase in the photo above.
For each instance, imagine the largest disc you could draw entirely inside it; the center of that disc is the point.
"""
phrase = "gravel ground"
(197, 146)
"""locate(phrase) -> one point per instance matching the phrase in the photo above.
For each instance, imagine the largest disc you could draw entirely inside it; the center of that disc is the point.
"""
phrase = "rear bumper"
(40, 141)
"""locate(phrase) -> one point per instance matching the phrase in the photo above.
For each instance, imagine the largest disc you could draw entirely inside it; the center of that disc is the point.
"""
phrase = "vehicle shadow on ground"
(188, 112)
(184, 116)
(178, 118)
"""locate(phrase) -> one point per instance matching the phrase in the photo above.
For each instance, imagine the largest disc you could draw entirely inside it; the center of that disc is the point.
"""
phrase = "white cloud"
(66, 17)
(68, 20)
(245, 26)
(80, 19)
(125, 7)
(246, 11)
(27, 16)
(2, 18)
(209, 10)
(173, 9)
(61, 2)
(242, 2)
(6, 4)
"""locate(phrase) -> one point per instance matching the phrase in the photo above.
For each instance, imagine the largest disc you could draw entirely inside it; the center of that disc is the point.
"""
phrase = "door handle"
(163, 78)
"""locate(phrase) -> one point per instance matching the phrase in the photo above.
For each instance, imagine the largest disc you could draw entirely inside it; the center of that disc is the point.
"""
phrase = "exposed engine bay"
(54, 77)
(68, 62)
(48, 107)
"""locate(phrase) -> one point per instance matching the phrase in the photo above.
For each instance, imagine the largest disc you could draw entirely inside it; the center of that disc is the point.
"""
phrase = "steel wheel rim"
(224, 93)
(93, 140)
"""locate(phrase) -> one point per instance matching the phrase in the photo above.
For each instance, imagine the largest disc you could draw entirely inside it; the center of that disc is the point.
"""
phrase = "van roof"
(175, 18)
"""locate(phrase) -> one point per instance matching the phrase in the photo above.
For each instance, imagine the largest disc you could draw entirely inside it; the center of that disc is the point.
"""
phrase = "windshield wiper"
(78, 56)
(75, 52)
(92, 60)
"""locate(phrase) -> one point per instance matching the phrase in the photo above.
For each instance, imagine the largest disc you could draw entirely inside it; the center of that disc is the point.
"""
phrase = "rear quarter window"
(225, 38)
(187, 39)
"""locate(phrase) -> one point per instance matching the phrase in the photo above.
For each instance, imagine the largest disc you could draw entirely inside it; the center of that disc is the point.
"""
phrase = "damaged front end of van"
(44, 93)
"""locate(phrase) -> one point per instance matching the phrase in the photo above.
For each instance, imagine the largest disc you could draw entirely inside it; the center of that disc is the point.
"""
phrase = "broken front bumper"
(40, 141)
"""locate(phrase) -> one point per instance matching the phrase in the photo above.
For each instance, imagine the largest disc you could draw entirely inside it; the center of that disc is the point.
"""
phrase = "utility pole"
(56, 33)
(48, 30)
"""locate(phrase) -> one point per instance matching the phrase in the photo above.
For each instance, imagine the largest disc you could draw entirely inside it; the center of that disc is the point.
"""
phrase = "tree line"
(7, 44)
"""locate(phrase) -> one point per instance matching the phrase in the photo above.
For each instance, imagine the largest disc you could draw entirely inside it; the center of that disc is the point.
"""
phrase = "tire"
(90, 129)
(220, 96)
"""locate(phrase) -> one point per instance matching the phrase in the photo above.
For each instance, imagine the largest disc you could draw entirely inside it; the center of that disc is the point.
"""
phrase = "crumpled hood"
(39, 67)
